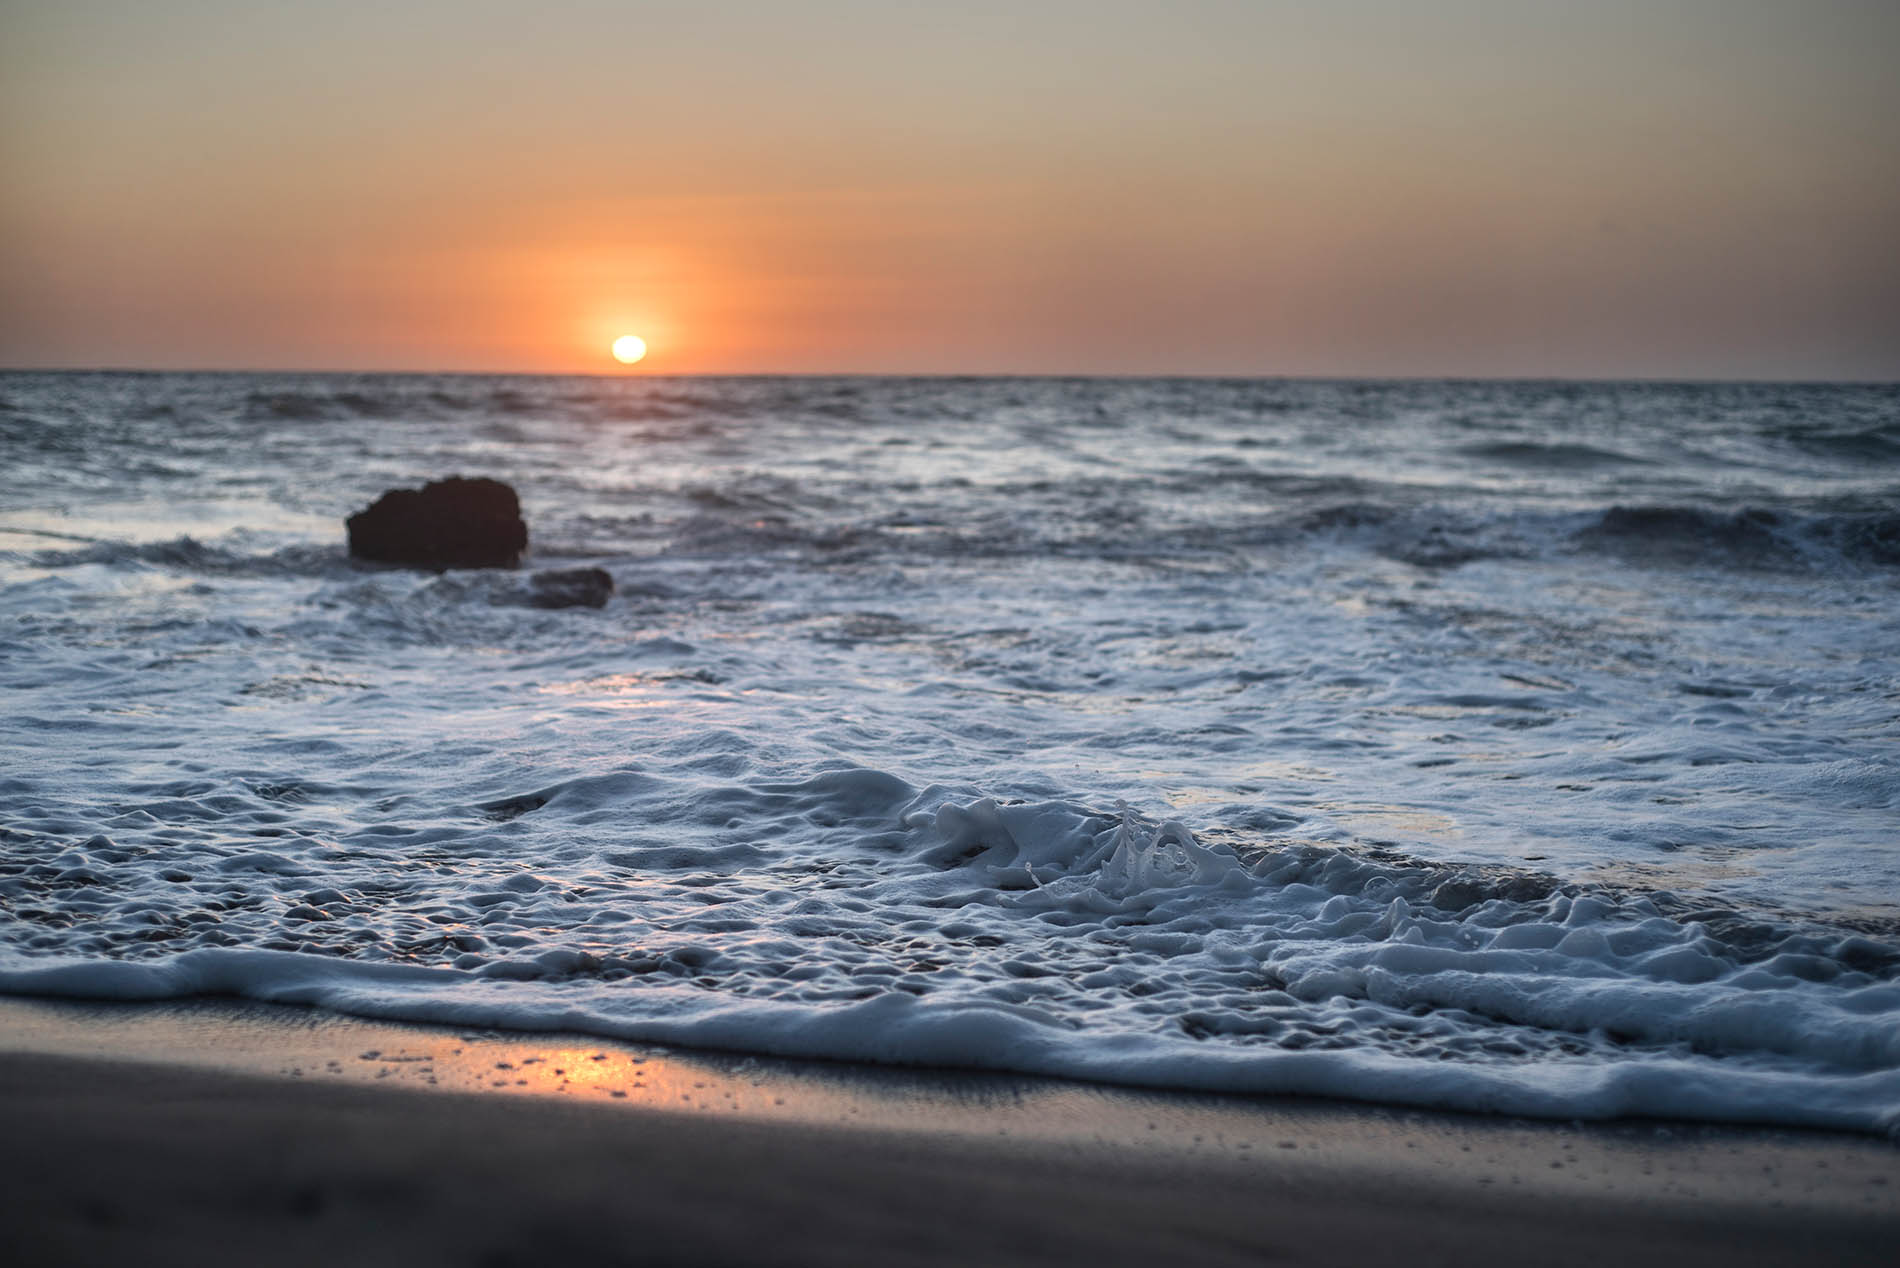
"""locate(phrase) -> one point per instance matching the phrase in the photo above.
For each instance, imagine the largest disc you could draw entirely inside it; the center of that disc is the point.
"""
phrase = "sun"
(629, 348)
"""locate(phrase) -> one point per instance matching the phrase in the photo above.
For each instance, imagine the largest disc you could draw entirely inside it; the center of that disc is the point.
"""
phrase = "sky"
(1670, 188)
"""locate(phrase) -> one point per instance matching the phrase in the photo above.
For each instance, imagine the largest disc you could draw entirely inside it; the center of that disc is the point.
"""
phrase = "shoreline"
(182, 1132)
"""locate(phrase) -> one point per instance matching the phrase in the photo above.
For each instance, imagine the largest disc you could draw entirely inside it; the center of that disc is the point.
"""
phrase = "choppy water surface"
(1508, 746)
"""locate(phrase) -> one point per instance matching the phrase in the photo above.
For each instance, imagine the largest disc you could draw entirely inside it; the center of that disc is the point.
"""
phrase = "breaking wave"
(1041, 937)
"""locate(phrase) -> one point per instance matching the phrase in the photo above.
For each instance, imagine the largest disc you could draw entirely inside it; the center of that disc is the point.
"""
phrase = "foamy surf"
(1043, 938)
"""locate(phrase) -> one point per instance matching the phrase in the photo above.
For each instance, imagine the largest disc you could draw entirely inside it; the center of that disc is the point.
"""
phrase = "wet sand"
(227, 1133)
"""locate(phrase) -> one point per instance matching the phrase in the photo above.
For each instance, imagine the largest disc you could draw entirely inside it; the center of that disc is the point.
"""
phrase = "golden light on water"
(629, 349)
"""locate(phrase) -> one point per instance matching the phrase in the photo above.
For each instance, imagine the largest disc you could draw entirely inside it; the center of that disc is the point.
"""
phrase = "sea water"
(1525, 747)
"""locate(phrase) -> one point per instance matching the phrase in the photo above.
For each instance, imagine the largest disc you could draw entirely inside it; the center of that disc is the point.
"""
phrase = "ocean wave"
(1876, 443)
(307, 407)
(773, 518)
(188, 554)
(1045, 937)
(1561, 457)
(1747, 537)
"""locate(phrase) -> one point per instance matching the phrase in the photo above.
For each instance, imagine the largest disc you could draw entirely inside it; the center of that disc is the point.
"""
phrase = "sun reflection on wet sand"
(1277, 1137)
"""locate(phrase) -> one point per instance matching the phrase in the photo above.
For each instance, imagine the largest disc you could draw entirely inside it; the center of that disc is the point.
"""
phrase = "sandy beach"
(224, 1133)
(869, 634)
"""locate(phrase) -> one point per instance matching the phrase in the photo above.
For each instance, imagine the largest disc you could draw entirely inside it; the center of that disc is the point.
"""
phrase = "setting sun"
(629, 348)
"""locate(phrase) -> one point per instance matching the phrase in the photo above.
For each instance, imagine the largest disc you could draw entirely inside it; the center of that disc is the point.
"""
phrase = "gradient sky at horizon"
(1678, 188)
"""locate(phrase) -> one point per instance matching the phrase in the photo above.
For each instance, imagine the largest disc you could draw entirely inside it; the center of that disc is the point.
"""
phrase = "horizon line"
(1106, 376)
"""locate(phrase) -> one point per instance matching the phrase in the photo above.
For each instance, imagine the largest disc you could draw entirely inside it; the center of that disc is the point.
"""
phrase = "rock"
(452, 523)
(570, 588)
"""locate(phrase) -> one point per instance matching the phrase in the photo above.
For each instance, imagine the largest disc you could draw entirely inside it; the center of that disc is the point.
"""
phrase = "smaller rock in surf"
(452, 523)
(570, 588)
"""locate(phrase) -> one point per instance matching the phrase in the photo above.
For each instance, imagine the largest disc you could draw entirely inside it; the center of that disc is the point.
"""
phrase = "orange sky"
(1700, 188)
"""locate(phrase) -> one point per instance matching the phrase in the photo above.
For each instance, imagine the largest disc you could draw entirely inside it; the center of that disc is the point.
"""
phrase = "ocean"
(1529, 748)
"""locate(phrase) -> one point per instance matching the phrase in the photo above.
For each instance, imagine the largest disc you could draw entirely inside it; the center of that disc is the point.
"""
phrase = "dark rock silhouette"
(570, 588)
(452, 523)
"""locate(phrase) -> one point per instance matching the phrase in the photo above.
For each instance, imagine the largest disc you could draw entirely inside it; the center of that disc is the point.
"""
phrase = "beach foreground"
(217, 1133)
